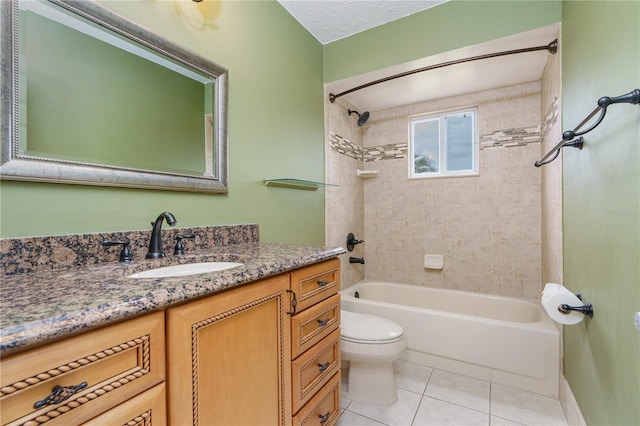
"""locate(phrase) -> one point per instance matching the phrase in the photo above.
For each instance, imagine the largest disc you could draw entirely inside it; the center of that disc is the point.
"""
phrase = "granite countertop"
(37, 307)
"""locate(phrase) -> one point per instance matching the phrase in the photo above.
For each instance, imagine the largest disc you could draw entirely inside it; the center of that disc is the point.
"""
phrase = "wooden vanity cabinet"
(264, 353)
(106, 367)
(315, 344)
(229, 357)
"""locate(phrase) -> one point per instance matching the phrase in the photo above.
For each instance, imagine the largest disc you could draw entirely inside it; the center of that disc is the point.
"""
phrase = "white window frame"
(442, 144)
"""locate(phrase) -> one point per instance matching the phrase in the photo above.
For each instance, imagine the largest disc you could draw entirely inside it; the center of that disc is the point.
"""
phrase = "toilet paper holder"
(585, 309)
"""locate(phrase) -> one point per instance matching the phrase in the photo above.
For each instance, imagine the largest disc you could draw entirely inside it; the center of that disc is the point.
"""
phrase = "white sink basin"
(186, 269)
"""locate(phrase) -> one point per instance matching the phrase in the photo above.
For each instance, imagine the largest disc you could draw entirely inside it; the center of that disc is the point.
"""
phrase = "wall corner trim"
(570, 405)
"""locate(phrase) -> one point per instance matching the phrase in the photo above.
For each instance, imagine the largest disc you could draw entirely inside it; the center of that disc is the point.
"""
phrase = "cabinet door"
(228, 357)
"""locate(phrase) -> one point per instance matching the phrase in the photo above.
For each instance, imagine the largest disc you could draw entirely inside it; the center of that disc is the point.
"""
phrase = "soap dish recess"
(433, 261)
(367, 173)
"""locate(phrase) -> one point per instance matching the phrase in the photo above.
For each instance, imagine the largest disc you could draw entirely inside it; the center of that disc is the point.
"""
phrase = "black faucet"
(155, 244)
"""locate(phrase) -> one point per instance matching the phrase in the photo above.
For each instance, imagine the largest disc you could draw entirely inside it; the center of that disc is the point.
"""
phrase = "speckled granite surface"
(47, 304)
(19, 255)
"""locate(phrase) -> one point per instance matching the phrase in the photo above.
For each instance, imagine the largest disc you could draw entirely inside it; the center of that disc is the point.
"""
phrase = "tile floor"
(427, 396)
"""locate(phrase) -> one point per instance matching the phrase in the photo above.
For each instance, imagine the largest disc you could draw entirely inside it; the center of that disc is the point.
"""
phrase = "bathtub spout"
(356, 260)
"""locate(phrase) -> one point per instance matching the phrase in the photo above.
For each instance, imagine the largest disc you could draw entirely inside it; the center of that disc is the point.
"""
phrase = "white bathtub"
(502, 339)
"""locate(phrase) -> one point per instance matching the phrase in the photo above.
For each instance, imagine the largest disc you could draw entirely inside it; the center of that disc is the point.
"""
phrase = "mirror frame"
(17, 166)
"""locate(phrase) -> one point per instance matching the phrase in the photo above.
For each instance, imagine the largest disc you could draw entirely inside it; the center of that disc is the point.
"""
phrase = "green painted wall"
(275, 130)
(448, 26)
(601, 185)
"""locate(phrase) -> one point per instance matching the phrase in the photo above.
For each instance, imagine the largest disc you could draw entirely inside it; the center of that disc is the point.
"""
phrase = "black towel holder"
(573, 138)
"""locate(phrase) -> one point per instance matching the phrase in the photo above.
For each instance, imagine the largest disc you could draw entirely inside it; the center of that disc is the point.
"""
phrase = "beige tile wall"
(551, 173)
(344, 204)
(487, 227)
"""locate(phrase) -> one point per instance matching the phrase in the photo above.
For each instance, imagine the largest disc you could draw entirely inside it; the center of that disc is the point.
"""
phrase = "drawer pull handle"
(324, 417)
(294, 302)
(324, 322)
(324, 366)
(59, 394)
(322, 283)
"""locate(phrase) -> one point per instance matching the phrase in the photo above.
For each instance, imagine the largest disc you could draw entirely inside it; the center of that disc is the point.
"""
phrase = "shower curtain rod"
(551, 48)
(574, 138)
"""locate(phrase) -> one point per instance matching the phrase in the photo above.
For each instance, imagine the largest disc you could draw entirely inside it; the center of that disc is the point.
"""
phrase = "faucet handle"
(352, 241)
(125, 254)
(179, 248)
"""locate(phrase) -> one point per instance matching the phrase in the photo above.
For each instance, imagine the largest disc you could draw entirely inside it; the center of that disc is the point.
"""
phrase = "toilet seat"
(368, 329)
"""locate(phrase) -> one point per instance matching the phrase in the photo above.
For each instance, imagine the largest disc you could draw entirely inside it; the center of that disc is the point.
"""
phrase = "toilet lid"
(363, 327)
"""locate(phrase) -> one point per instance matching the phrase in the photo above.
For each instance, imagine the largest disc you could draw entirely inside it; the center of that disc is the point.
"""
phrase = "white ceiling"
(330, 20)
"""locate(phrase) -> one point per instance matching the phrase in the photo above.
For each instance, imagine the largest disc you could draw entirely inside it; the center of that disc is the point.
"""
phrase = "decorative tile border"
(64, 251)
(345, 147)
(510, 137)
(385, 152)
(506, 138)
(551, 117)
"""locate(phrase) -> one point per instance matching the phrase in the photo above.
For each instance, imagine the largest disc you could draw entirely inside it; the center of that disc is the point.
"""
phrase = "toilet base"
(371, 382)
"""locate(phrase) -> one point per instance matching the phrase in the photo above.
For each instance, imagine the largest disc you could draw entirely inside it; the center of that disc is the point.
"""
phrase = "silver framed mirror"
(89, 97)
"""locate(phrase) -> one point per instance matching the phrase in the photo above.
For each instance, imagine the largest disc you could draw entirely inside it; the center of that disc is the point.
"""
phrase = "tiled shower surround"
(487, 227)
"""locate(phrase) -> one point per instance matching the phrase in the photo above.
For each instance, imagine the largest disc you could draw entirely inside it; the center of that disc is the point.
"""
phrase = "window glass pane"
(459, 140)
(426, 148)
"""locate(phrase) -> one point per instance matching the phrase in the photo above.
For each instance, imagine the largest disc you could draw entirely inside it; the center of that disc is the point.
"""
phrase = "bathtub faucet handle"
(351, 241)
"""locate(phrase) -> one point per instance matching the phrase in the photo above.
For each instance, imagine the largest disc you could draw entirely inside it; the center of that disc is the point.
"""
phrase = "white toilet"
(370, 344)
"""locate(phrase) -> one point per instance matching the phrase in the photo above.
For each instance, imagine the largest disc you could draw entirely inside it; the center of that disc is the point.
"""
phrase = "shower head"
(362, 118)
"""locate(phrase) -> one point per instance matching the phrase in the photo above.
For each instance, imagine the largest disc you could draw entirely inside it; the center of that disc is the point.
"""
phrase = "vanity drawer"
(315, 283)
(312, 325)
(147, 409)
(107, 366)
(324, 408)
(314, 368)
